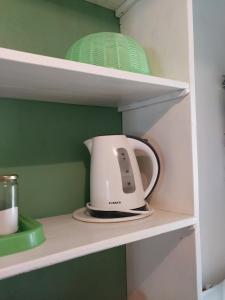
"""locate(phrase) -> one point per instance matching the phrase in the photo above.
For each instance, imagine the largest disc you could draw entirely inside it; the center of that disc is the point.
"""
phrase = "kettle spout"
(88, 144)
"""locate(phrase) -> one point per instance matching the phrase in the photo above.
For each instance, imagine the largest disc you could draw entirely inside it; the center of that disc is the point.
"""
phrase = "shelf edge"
(63, 256)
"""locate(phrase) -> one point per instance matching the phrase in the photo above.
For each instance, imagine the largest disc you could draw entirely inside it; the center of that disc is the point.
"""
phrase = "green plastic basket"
(112, 50)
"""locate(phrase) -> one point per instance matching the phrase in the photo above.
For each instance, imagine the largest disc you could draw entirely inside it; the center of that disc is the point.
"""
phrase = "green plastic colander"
(112, 50)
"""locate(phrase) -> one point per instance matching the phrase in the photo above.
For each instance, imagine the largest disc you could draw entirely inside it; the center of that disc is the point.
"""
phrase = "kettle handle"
(142, 144)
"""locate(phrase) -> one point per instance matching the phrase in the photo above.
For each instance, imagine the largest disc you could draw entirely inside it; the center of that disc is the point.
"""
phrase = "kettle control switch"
(126, 171)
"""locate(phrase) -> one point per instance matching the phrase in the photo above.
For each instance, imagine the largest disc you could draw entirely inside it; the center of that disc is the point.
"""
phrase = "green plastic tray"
(30, 235)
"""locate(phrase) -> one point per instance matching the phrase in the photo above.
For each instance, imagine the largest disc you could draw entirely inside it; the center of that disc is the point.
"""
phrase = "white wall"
(209, 30)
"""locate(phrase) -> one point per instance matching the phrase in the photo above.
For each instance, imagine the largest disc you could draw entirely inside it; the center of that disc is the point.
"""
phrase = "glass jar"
(8, 204)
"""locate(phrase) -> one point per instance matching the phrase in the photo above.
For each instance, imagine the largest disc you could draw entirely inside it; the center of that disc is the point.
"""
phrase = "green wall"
(49, 27)
(43, 143)
(97, 276)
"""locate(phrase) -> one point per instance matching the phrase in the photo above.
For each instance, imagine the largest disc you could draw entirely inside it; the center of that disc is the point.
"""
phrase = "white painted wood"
(120, 6)
(216, 292)
(209, 27)
(163, 267)
(198, 260)
(161, 27)
(193, 123)
(110, 4)
(165, 29)
(167, 126)
(30, 76)
(161, 99)
(124, 7)
(68, 239)
(194, 144)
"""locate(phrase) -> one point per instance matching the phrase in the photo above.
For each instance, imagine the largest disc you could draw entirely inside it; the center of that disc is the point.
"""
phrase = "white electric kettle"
(116, 188)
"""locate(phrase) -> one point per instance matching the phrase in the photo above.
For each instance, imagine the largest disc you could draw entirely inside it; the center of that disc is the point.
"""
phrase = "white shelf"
(113, 4)
(36, 77)
(68, 239)
(120, 6)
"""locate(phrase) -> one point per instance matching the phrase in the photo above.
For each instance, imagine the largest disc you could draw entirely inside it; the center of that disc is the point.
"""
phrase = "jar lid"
(8, 177)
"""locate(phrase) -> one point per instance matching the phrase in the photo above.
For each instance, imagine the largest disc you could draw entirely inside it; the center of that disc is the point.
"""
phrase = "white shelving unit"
(31, 76)
(167, 267)
(67, 239)
(120, 6)
(115, 4)
(163, 256)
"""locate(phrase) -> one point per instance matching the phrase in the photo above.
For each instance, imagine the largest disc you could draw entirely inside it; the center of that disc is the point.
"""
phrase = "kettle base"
(83, 214)
(114, 214)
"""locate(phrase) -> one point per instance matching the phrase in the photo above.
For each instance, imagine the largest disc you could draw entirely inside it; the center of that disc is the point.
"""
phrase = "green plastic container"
(30, 235)
(110, 49)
